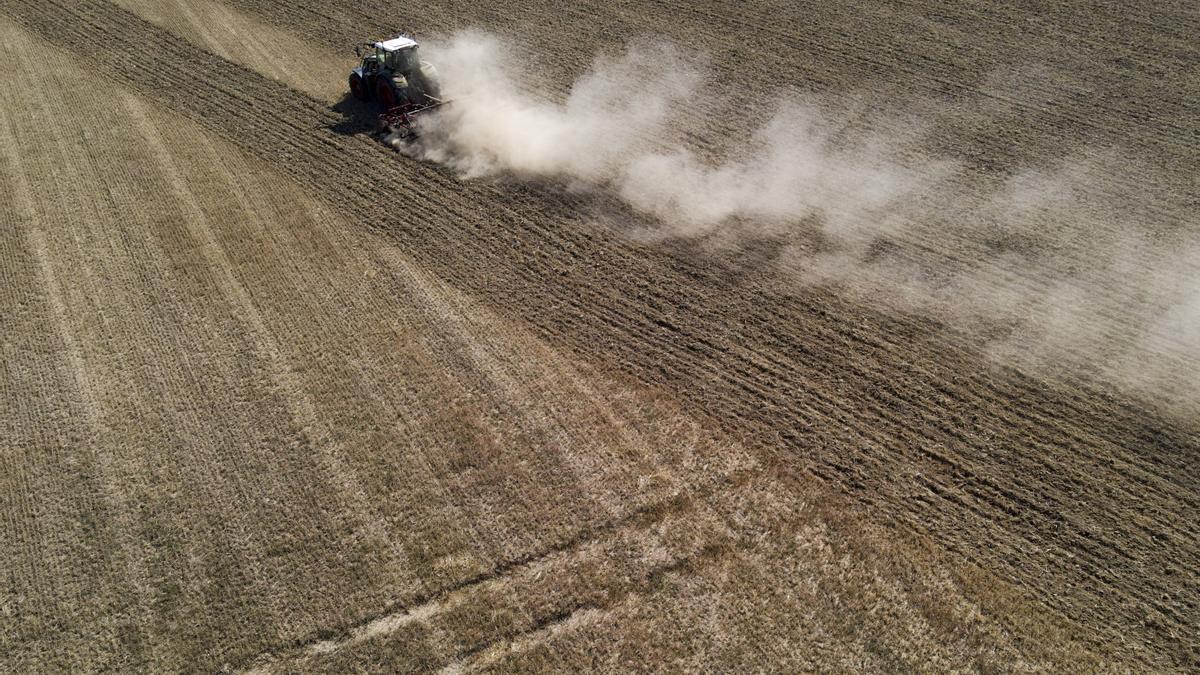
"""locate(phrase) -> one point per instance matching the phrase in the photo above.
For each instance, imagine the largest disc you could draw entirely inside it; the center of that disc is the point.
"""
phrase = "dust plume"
(1044, 270)
(618, 129)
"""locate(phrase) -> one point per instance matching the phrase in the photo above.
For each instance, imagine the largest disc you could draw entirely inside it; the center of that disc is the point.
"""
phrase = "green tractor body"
(393, 73)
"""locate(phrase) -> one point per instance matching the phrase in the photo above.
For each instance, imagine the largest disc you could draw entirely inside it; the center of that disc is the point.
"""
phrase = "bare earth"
(276, 398)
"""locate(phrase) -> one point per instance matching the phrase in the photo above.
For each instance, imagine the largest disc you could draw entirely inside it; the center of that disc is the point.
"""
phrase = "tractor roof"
(396, 43)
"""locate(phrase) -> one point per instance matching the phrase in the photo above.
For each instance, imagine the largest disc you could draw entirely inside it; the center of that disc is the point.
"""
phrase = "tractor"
(393, 73)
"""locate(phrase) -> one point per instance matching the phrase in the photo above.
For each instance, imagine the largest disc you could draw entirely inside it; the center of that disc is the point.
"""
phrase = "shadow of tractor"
(357, 117)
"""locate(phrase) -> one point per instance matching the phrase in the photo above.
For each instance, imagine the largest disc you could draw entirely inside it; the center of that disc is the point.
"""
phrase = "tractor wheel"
(386, 93)
(431, 84)
(358, 88)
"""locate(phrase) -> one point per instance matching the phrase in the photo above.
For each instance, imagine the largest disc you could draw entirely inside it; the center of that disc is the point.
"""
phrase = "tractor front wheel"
(357, 87)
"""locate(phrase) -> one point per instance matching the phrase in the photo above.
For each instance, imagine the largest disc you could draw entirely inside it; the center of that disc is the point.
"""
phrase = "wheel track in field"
(729, 533)
(734, 507)
(689, 366)
(638, 520)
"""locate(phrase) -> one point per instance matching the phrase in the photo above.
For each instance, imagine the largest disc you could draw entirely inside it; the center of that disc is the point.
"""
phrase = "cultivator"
(397, 125)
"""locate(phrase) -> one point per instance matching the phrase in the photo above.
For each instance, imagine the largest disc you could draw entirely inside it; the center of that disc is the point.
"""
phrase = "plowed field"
(277, 398)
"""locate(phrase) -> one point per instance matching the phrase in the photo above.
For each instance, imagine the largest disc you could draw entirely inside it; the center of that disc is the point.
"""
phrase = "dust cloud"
(1043, 269)
(613, 131)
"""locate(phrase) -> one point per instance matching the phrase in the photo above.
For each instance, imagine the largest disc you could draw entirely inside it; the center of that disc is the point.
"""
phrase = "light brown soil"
(260, 409)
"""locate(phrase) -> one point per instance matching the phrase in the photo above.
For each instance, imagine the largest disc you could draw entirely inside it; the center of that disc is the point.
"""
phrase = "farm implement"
(397, 125)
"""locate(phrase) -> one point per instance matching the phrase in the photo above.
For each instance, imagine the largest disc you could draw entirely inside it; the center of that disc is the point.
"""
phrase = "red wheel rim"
(356, 87)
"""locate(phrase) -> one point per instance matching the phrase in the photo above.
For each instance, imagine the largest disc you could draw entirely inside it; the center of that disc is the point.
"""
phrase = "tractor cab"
(398, 54)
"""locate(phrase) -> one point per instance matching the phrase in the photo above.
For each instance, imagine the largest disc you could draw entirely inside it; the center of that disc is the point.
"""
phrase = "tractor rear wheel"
(386, 93)
(357, 87)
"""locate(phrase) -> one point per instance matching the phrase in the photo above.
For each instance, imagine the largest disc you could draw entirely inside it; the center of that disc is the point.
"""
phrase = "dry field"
(276, 398)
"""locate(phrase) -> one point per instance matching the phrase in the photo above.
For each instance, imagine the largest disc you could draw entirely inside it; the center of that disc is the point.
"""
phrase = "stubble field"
(277, 398)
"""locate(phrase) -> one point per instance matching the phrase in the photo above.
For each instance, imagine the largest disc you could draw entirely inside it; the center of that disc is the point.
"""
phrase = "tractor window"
(403, 60)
